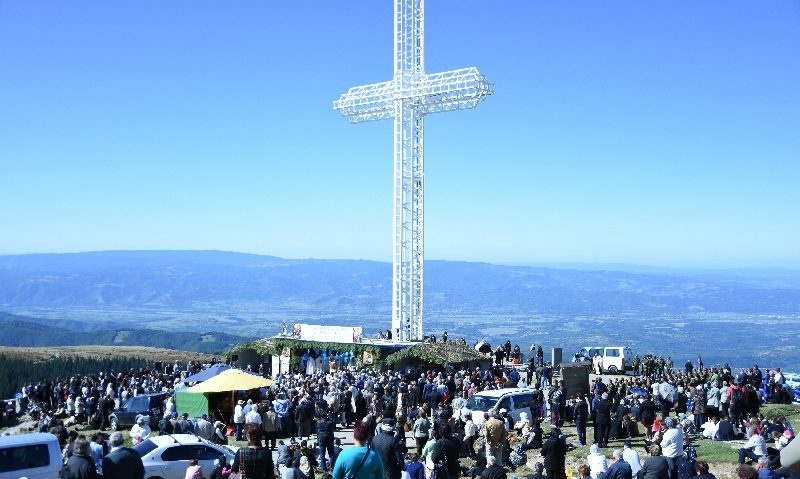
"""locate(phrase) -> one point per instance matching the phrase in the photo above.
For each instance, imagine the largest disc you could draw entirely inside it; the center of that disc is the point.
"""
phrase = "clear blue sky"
(660, 133)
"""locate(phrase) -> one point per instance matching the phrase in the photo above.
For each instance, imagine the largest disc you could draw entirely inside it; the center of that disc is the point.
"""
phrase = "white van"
(33, 456)
(616, 359)
(514, 400)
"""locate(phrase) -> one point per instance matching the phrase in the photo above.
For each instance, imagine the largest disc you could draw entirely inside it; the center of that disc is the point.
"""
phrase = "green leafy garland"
(441, 354)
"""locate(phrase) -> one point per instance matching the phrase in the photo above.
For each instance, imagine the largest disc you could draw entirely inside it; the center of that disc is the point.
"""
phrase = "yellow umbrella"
(231, 380)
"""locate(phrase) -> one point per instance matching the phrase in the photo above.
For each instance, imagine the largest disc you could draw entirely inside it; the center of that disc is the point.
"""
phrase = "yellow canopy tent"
(231, 380)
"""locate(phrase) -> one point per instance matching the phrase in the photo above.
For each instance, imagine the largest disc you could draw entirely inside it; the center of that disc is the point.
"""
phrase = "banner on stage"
(328, 334)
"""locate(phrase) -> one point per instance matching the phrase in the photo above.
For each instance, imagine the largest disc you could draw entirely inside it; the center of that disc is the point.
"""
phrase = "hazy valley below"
(205, 300)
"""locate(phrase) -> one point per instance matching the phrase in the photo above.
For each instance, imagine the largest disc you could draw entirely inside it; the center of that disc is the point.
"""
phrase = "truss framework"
(407, 98)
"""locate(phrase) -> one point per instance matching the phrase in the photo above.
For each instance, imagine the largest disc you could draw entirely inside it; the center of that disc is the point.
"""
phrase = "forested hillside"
(34, 332)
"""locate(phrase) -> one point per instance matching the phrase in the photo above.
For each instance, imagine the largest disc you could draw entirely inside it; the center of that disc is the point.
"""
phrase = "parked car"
(168, 456)
(616, 359)
(513, 400)
(35, 456)
(151, 405)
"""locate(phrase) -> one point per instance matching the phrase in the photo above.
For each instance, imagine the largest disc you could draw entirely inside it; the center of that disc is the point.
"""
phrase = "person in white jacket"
(597, 462)
(238, 419)
(754, 448)
(141, 430)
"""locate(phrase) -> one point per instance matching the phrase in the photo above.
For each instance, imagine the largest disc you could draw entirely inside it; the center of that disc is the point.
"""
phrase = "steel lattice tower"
(407, 98)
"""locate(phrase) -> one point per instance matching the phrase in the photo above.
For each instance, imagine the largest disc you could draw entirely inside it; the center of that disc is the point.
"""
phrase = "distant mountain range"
(207, 300)
(233, 282)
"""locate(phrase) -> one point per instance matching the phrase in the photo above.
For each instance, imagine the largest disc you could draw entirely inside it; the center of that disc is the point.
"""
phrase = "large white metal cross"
(408, 97)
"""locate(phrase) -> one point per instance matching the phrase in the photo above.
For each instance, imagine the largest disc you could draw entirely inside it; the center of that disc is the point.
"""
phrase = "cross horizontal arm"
(431, 93)
(452, 90)
(367, 102)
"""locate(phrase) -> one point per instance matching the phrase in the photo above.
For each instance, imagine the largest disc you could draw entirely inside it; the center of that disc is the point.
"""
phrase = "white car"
(514, 400)
(168, 456)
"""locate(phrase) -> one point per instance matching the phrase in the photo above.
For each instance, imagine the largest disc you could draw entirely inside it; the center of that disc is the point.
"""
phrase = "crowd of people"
(669, 410)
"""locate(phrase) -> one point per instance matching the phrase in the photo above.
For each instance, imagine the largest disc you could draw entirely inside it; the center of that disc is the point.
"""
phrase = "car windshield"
(481, 403)
(144, 447)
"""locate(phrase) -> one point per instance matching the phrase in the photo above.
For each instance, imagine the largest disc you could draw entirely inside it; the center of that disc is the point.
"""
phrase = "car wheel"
(612, 369)
(113, 423)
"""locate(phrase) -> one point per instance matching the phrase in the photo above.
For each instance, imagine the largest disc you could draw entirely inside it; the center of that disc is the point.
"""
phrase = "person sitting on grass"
(655, 466)
(493, 470)
(754, 448)
(597, 462)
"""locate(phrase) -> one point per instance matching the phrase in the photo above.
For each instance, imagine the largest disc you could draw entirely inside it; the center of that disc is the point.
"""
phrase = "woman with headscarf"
(597, 462)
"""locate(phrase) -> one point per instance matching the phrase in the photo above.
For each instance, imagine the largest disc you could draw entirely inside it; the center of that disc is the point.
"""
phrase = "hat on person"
(174, 414)
(240, 402)
(204, 416)
(388, 421)
(185, 415)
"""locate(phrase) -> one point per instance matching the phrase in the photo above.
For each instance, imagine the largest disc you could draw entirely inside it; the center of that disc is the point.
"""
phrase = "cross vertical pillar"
(407, 98)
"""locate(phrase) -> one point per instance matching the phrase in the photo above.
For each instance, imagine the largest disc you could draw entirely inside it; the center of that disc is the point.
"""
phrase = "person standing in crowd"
(254, 461)
(470, 436)
(413, 467)
(80, 465)
(325, 435)
(603, 420)
(386, 445)
(252, 418)
(238, 419)
(555, 453)
(421, 430)
(580, 415)
(204, 429)
(495, 434)
(672, 445)
(648, 412)
(360, 461)
(122, 462)
(448, 451)
(269, 423)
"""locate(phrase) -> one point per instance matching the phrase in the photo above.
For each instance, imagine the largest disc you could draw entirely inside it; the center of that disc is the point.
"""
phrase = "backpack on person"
(736, 397)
